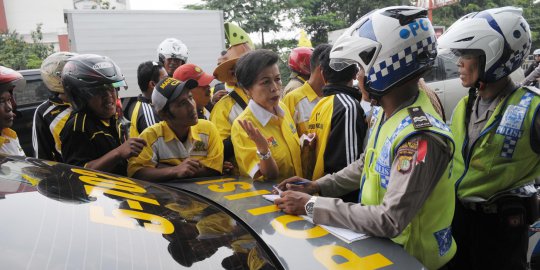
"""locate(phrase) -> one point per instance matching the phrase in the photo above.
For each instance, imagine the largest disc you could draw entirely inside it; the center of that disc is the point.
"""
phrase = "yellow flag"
(304, 41)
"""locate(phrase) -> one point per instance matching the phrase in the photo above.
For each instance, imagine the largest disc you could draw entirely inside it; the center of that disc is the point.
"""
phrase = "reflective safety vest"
(428, 237)
(501, 159)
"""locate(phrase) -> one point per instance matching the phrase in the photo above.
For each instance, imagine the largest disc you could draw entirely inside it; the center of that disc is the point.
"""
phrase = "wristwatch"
(265, 156)
(310, 206)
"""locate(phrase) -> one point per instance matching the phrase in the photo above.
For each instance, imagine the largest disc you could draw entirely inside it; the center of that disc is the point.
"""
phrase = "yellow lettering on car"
(97, 214)
(326, 256)
(280, 225)
(112, 184)
(102, 175)
(93, 191)
(231, 186)
(214, 181)
(155, 223)
(246, 195)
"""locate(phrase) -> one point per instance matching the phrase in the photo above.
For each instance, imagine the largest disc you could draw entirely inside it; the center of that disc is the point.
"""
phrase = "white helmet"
(501, 35)
(536, 52)
(391, 44)
(51, 70)
(172, 48)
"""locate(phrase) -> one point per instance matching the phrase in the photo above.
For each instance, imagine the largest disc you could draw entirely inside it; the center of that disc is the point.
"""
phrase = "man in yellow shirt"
(181, 145)
(302, 100)
(231, 105)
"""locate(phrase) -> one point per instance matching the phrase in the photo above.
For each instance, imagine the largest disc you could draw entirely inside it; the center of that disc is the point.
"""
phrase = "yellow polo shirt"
(279, 131)
(162, 146)
(300, 103)
(226, 110)
(9, 143)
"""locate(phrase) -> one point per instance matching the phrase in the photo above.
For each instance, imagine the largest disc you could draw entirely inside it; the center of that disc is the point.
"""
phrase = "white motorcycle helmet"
(500, 36)
(536, 52)
(172, 48)
(392, 45)
(51, 70)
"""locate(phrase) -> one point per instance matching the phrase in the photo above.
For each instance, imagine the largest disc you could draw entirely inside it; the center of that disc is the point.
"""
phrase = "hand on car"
(300, 184)
(131, 148)
(292, 202)
(228, 167)
(188, 168)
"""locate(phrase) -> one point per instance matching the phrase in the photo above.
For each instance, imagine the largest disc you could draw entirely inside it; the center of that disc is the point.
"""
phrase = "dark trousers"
(491, 241)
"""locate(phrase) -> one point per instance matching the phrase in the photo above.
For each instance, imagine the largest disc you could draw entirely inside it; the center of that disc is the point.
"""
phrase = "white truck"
(130, 37)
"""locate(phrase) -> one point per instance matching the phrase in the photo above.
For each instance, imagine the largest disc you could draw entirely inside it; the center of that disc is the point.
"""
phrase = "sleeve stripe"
(350, 127)
(34, 131)
(148, 114)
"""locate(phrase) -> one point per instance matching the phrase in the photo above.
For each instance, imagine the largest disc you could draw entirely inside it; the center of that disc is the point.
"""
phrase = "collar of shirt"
(168, 133)
(262, 115)
(493, 105)
(310, 93)
(229, 87)
(7, 133)
(142, 98)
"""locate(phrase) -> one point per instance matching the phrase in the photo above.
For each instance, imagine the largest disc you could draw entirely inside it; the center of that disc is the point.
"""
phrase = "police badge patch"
(404, 162)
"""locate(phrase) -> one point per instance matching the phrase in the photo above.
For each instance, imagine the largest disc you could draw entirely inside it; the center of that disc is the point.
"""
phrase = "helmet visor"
(120, 84)
(455, 55)
(365, 54)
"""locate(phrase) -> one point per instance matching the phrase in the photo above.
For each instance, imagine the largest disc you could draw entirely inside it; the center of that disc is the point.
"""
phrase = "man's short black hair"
(148, 71)
(316, 56)
(335, 77)
(251, 64)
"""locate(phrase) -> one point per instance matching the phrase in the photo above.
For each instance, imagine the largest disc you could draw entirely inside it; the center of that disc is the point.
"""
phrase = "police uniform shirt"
(280, 132)
(479, 119)
(9, 143)
(142, 115)
(300, 103)
(49, 120)
(226, 110)
(85, 138)
(406, 193)
(163, 147)
(338, 121)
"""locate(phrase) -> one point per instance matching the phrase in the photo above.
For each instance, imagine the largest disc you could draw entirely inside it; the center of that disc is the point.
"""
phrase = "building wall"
(24, 15)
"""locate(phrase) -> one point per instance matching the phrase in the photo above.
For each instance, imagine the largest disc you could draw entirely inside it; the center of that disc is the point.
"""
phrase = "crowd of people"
(377, 157)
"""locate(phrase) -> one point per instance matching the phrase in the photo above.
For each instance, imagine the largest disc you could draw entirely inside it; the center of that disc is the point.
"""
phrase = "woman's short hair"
(251, 64)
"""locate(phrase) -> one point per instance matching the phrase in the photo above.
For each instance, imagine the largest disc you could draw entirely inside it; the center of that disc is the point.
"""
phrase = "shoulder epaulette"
(532, 89)
(419, 119)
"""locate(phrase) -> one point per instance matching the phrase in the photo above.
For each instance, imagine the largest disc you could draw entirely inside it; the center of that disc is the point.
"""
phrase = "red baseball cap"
(194, 72)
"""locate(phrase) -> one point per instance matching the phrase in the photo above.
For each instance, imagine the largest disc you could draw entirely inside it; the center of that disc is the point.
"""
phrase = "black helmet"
(85, 75)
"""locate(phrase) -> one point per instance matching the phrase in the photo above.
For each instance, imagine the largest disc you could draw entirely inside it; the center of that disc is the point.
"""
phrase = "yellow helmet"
(236, 35)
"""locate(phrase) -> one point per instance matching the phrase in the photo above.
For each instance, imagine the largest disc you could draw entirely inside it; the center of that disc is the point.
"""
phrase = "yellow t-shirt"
(225, 111)
(300, 103)
(162, 146)
(279, 131)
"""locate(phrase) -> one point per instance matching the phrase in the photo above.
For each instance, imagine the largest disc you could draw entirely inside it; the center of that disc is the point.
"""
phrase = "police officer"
(497, 131)
(51, 116)
(172, 53)
(92, 136)
(406, 192)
